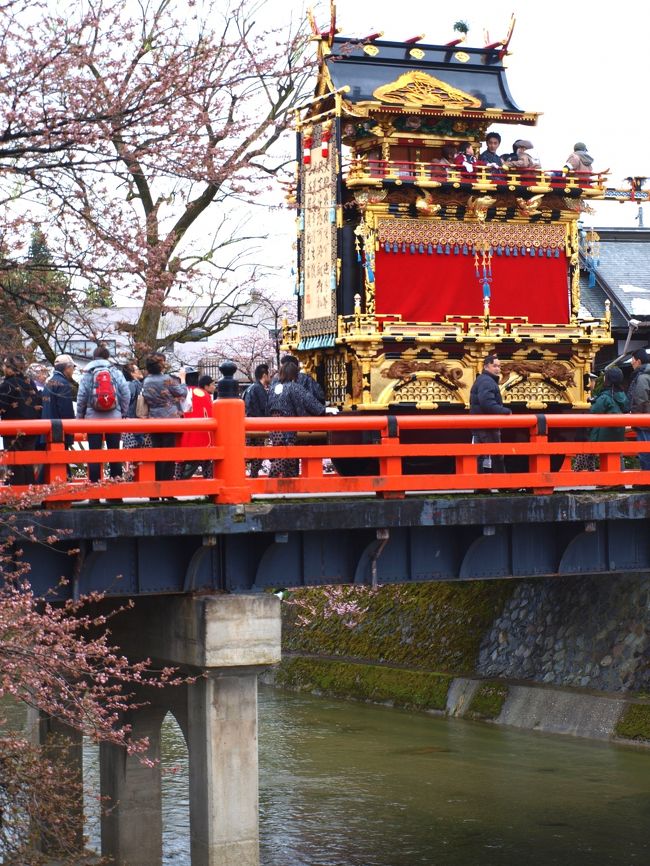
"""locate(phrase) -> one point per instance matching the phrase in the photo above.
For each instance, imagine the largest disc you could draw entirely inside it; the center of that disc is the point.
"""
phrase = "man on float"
(490, 157)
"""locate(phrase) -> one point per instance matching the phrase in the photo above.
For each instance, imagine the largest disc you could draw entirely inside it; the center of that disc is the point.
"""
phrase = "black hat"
(613, 376)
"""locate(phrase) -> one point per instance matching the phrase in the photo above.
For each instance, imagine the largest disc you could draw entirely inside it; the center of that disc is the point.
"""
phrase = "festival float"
(411, 271)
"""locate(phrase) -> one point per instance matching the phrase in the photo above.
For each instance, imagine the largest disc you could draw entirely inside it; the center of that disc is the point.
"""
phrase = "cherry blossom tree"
(134, 143)
(261, 344)
(247, 351)
(56, 657)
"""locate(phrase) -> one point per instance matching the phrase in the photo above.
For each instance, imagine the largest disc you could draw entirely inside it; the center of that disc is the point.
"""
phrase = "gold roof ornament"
(419, 89)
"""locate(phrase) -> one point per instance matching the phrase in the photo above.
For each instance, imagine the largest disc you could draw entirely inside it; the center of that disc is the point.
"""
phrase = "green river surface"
(344, 784)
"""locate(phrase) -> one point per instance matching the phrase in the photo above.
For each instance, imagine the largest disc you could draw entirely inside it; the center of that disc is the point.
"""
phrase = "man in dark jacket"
(485, 399)
(639, 396)
(256, 399)
(57, 398)
(256, 396)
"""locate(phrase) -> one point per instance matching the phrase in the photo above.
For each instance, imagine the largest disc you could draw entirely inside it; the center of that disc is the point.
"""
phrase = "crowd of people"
(462, 156)
(608, 397)
(108, 391)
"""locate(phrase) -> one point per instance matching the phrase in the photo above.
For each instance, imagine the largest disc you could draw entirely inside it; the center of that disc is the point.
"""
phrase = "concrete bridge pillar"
(131, 823)
(225, 641)
(222, 745)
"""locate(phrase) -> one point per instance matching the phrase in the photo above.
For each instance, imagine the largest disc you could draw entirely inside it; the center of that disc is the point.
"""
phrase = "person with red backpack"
(103, 393)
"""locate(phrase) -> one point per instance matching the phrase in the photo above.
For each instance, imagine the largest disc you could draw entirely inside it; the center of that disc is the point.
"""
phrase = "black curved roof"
(479, 72)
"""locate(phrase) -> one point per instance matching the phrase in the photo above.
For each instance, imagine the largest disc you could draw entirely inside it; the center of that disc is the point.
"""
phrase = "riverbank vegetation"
(409, 689)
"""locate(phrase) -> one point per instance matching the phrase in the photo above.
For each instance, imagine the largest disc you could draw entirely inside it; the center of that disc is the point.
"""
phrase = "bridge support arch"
(223, 642)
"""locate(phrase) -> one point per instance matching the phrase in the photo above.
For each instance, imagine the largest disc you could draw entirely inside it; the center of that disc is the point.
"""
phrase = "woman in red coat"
(201, 396)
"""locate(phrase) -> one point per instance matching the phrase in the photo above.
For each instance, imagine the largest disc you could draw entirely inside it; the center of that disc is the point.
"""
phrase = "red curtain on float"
(426, 287)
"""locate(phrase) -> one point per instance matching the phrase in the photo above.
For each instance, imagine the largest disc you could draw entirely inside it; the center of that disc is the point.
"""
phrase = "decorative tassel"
(557, 252)
(430, 249)
(395, 247)
(508, 251)
(439, 249)
(465, 250)
(592, 279)
(499, 250)
(412, 248)
(403, 248)
(515, 251)
(306, 149)
(486, 289)
(456, 250)
(447, 250)
(421, 248)
(548, 252)
(325, 142)
(332, 215)
(387, 247)
(523, 251)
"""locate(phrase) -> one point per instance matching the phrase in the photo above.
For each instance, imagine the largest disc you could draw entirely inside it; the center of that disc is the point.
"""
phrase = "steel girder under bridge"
(148, 549)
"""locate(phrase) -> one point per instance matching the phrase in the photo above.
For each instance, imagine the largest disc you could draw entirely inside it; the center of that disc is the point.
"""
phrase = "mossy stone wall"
(431, 626)
(376, 683)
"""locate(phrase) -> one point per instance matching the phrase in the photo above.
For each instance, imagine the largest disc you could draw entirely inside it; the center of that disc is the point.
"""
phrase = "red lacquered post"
(230, 435)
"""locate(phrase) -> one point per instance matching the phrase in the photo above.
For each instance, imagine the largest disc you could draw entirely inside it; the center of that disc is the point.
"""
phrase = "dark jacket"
(485, 396)
(639, 391)
(293, 400)
(311, 385)
(57, 397)
(57, 403)
(20, 399)
(134, 386)
(608, 402)
(490, 158)
(256, 399)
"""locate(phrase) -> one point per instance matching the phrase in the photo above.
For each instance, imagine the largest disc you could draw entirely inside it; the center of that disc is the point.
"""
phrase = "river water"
(345, 784)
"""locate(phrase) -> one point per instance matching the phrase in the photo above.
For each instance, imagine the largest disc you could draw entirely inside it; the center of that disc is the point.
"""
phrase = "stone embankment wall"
(504, 651)
(587, 632)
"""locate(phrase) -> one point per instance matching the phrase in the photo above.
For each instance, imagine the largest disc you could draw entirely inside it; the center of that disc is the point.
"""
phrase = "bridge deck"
(194, 547)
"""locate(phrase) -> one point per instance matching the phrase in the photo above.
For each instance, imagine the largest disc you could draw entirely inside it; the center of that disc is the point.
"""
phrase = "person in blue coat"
(58, 402)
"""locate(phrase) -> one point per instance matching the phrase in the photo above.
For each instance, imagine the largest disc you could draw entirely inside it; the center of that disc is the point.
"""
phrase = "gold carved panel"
(454, 232)
(420, 89)
(420, 380)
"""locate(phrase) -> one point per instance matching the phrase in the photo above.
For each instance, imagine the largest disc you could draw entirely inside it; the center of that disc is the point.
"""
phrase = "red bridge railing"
(395, 445)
